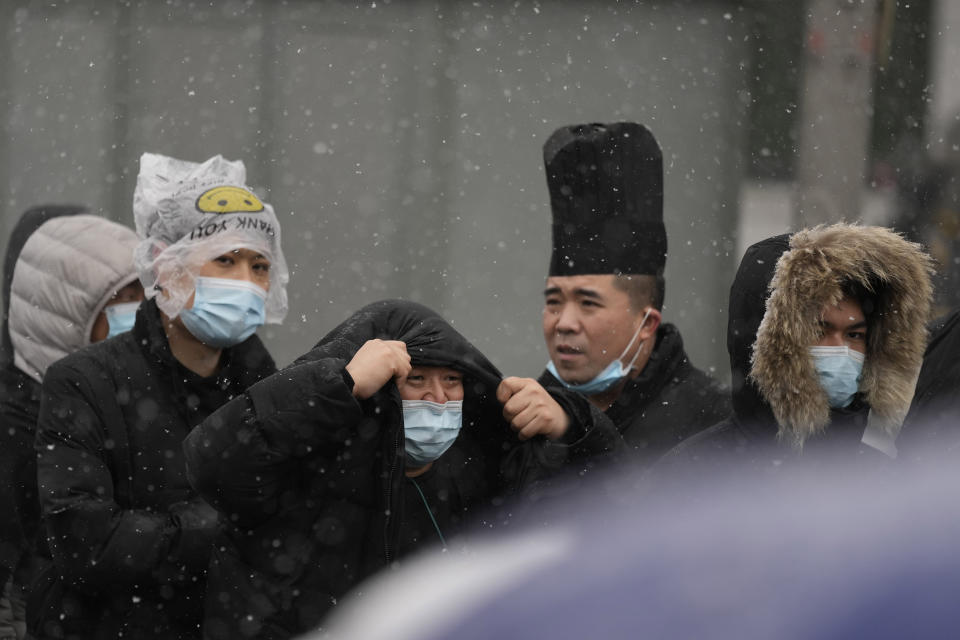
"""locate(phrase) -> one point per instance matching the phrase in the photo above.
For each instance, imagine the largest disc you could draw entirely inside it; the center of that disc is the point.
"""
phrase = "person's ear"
(651, 325)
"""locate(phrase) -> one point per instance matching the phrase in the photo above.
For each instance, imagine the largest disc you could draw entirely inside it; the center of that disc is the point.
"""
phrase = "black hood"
(748, 296)
(430, 340)
(29, 222)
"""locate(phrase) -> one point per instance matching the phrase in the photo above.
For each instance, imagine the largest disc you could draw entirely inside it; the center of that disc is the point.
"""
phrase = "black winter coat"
(668, 402)
(130, 538)
(310, 481)
(19, 407)
(932, 428)
(748, 437)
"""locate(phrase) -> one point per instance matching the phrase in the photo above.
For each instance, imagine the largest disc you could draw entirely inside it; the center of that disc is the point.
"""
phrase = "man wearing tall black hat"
(602, 317)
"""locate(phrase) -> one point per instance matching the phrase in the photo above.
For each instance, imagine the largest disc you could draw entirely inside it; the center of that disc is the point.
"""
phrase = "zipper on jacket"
(387, 550)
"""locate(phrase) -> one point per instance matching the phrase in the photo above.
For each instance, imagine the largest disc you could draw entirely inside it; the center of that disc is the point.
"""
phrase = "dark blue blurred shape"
(817, 553)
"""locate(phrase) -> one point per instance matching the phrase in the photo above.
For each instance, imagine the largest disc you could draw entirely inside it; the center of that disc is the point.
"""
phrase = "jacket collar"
(241, 365)
(667, 355)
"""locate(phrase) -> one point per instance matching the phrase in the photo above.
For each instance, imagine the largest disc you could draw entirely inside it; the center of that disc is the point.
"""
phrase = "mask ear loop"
(636, 334)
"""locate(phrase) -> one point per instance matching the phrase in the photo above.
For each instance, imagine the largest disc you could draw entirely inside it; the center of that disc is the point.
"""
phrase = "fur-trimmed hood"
(776, 300)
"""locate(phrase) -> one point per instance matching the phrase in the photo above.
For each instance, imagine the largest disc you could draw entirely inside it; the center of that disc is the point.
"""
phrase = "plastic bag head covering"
(188, 214)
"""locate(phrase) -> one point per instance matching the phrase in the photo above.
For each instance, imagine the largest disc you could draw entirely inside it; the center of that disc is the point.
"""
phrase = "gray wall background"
(398, 141)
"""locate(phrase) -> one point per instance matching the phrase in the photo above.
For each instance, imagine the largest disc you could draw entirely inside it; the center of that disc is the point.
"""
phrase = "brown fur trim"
(808, 277)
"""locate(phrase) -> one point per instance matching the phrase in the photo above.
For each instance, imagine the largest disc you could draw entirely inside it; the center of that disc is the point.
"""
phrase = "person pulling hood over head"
(316, 486)
(299, 462)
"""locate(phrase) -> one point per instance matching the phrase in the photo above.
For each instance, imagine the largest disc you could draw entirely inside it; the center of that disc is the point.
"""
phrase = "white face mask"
(121, 317)
(225, 311)
(840, 370)
(611, 374)
(430, 428)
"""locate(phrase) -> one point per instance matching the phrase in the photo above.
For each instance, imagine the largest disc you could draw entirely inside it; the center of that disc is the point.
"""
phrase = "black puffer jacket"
(780, 411)
(310, 481)
(130, 538)
(668, 402)
(19, 407)
(932, 428)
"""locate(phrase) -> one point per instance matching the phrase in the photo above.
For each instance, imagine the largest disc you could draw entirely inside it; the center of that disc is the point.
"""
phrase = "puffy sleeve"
(242, 457)
(592, 442)
(96, 544)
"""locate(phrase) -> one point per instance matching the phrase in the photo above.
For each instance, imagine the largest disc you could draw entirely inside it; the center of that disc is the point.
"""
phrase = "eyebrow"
(237, 251)
(579, 291)
(860, 325)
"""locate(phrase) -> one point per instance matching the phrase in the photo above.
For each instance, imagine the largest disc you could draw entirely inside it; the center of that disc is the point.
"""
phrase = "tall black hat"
(606, 193)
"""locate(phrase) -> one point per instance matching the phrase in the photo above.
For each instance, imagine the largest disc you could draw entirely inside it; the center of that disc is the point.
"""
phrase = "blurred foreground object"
(806, 555)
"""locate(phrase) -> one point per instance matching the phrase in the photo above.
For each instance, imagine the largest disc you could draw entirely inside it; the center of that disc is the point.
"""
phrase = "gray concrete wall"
(398, 141)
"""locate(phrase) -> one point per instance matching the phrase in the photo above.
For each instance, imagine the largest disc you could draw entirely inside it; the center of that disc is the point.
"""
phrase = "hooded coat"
(310, 481)
(130, 538)
(61, 268)
(66, 273)
(668, 402)
(780, 410)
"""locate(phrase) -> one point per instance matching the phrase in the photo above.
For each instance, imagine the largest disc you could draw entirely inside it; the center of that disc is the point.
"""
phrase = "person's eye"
(224, 260)
(453, 379)
(263, 267)
(857, 335)
(587, 302)
(415, 379)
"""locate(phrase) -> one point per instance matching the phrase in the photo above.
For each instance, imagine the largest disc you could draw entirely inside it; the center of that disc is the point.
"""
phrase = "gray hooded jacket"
(67, 271)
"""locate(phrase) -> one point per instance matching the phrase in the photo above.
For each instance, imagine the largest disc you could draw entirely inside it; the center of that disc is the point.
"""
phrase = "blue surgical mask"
(120, 317)
(429, 428)
(225, 311)
(611, 374)
(840, 370)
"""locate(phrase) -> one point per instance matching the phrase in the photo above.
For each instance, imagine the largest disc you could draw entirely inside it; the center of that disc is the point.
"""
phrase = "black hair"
(866, 296)
(643, 290)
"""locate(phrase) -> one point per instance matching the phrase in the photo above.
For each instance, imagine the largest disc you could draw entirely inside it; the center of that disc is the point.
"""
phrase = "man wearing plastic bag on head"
(69, 280)
(386, 438)
(130, 538)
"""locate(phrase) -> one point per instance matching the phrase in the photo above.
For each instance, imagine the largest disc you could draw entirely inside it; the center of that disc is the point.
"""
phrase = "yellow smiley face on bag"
(228, 200)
